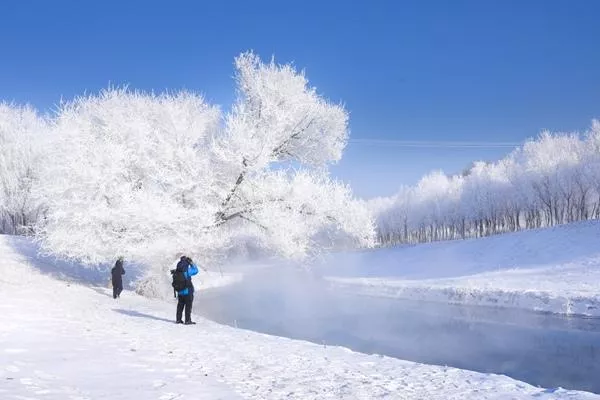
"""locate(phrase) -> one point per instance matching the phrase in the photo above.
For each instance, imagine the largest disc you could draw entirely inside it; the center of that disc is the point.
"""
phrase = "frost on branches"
(21, 133)
(151, 176)
(553, 179)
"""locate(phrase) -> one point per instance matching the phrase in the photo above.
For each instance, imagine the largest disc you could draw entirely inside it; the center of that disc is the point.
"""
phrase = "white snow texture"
(61, 340)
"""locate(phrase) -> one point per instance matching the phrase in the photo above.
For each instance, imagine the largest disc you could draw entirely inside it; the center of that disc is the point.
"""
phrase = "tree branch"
(294, 135)
(254, 222)
(233, 190)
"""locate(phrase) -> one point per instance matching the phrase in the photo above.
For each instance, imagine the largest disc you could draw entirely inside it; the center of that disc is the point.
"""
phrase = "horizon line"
(435, 143)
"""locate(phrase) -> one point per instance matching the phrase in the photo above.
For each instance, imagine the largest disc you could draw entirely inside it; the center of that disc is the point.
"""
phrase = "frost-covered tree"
(151, 176)
(550, 180)
(21, 130)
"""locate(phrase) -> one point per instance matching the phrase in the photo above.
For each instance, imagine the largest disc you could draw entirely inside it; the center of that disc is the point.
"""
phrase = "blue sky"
(481, 71)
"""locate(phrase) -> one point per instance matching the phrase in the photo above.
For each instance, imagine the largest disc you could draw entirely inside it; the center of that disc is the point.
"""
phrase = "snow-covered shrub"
(21, 133)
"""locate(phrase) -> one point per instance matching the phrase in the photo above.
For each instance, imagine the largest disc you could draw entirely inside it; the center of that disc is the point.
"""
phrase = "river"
(541, 349)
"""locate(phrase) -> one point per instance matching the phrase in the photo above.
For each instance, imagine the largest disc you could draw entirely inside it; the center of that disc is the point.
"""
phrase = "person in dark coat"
(117, 277)
(185, 297)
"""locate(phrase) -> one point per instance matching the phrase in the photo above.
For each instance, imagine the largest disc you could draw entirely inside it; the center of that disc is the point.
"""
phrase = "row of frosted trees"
(551, 180)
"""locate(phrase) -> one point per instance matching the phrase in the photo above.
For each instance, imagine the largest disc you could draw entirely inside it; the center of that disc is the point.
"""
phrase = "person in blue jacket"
(185, 297)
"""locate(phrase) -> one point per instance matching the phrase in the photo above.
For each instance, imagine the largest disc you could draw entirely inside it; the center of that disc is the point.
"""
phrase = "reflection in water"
(544, 350)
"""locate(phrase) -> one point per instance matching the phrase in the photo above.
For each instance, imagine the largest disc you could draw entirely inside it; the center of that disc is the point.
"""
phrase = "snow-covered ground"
(25, 251)
(64, 340)
(552, 270)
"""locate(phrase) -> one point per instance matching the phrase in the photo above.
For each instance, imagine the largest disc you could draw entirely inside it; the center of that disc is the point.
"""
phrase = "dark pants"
(117, 288)
(117, 284)
(185, 302)
(117, 291)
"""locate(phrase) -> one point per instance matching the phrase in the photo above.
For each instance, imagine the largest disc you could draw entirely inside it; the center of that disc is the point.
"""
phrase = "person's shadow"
(132, 313)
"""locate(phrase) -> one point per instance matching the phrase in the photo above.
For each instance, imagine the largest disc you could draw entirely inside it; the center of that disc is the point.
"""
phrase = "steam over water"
(545, 350)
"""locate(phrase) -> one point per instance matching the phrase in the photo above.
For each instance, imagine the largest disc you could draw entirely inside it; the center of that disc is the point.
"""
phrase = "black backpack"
(179, 281)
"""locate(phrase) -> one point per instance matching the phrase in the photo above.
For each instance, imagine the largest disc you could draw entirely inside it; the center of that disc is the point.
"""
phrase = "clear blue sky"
(477, 71)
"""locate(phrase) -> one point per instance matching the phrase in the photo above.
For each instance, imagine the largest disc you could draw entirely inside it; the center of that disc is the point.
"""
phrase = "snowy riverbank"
(551, 270)
(62, 340)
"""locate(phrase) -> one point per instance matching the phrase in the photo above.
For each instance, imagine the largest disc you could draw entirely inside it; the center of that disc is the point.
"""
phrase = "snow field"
(68, 341)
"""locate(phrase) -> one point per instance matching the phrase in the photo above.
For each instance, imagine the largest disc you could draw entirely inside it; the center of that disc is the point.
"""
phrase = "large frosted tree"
(152, 176)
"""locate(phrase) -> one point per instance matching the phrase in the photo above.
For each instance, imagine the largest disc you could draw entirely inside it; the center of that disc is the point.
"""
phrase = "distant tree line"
(553, 179)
